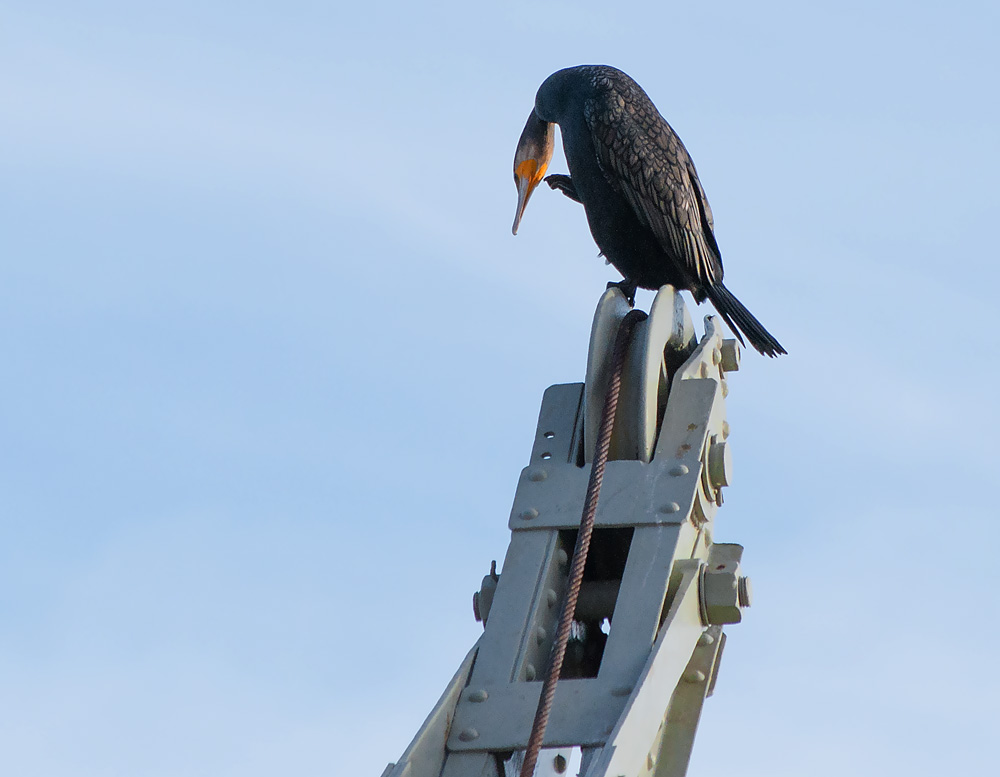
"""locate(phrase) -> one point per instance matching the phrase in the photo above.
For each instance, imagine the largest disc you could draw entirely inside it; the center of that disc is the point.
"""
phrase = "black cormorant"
(645, 205)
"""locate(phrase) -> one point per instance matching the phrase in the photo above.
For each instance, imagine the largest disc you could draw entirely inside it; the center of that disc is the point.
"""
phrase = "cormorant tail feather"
(742, 320)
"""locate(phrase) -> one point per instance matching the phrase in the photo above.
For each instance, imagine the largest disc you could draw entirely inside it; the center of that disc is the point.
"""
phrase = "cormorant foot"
(564, 184)
(627, 288)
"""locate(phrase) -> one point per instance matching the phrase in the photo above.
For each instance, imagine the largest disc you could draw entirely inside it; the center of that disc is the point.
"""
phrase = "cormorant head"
(534, 150)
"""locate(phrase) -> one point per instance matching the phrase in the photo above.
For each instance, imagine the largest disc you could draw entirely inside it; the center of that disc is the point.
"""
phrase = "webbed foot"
(564, 184)
(627, 288)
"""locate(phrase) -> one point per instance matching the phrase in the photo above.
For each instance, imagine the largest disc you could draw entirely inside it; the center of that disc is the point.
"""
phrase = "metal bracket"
(655, 588)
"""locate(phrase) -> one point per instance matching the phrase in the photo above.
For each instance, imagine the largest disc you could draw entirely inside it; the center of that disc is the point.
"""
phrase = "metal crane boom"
(647, 632)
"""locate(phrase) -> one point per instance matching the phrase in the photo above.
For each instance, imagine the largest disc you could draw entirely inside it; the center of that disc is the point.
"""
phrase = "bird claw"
(564, 184)
(627, 288)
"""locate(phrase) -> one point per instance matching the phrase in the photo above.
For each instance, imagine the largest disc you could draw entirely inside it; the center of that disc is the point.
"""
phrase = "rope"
(582, 543)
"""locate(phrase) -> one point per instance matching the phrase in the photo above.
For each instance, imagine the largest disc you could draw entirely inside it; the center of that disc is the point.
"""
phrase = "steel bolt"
(730, 355)
(478, 696)
(670, 507)
(482, 599)
(694, 676)
(529, 514)
(679, 469)
(745, 591)
(720, 464)
(719, 587)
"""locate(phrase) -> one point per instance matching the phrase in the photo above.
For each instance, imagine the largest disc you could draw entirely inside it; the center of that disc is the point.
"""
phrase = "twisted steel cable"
(582, 542)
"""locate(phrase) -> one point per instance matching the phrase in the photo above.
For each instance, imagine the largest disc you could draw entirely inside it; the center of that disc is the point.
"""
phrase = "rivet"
(529, 514)
(478, 696)
(694, 676)
(468, 735)
(716, 356)
(650, 761)
(670, 507)
(679, 469)
(562, 557)
(529, 672)
(725, 389)
(537, 475)
(551, 597)
(540, 635)
(622, 690)
(706, 639)
(703, 370)
(725, 430)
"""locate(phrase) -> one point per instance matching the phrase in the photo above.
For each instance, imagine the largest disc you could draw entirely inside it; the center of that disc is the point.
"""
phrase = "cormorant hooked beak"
(534, 150)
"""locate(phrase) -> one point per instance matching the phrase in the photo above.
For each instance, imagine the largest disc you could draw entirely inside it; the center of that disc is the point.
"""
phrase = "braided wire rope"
(582, 547)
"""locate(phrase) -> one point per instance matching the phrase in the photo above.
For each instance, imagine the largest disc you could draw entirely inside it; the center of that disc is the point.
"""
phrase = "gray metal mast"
(657, 590)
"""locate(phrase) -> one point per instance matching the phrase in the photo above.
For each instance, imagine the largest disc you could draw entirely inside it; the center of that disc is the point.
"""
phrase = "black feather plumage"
(646, 208)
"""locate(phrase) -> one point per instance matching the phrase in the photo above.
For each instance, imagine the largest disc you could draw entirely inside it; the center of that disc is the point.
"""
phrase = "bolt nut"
(730, 355)
(720, 464)
(723, 590)
(744, 591)
(482, 599)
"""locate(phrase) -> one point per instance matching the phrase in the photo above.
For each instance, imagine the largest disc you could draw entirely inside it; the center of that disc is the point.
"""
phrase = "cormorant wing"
(644, 160)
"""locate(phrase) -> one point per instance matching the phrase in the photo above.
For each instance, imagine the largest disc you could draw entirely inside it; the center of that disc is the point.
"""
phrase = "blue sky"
(271, 362)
